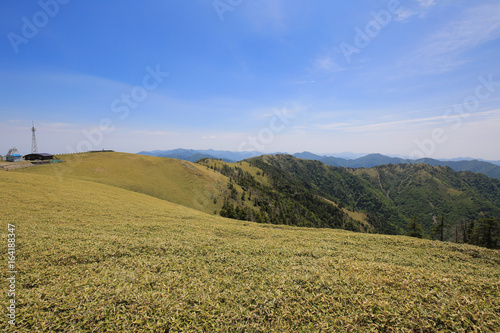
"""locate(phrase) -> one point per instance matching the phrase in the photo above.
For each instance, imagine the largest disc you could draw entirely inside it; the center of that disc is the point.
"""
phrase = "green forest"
(417, 200)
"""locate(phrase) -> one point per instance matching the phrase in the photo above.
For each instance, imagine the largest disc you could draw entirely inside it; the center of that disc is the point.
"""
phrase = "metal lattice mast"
(34, 147)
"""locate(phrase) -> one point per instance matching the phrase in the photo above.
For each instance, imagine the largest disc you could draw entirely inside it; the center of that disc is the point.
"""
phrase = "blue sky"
(412, 77)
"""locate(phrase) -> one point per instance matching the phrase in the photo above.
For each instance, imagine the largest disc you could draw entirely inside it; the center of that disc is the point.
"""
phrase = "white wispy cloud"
(291, 109)
(326, 63)
(334, 126)
(304, 82)
(24, 126)
(426, 3)
(417, 8)
(403, 15)
(153, 133)
(57, 125)
(445, 119)
(441, 51)
(268, 17)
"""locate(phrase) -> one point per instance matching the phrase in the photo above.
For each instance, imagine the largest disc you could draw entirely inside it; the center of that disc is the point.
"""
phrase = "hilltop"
(96, 257)
(176, 181)
(200, 187)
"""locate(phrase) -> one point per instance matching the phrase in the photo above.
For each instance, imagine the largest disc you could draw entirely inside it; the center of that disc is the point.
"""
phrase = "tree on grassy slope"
(415, 228)
(439, 228)
(487, 233)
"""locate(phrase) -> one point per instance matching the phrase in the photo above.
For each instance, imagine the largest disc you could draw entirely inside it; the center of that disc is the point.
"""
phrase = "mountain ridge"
(388, 196)
(194, 155)
(489, 168)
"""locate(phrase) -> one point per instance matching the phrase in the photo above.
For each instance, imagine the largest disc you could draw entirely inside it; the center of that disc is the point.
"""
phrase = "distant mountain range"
(489, 168)
(192, 155)
(369, 161)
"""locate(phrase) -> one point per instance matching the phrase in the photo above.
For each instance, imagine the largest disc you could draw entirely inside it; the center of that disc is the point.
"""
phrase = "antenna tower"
(34, 147)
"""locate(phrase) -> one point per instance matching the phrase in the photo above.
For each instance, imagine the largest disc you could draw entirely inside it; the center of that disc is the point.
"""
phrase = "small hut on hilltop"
(38, 157)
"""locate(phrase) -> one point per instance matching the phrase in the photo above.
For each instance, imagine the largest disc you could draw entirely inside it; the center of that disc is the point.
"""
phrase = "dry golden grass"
(180, 182)
(93, 257)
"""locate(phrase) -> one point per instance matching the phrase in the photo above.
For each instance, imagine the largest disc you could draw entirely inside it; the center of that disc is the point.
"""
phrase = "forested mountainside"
(283, 189)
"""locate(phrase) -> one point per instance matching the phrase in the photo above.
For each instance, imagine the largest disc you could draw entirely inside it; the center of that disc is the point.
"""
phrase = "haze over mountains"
(192, 155)
(489, 168)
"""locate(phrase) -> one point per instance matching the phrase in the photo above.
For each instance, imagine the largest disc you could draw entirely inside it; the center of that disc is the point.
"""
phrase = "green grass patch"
(454, 192)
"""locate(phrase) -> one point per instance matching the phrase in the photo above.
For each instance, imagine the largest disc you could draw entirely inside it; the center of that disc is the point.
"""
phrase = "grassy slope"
(244, 165)
(180, 182)
(96, 257)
